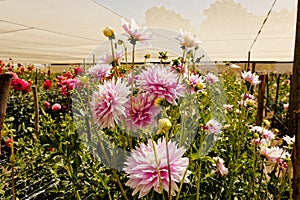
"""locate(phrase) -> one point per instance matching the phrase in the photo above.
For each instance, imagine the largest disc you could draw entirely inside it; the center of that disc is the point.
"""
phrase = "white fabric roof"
(68, 31)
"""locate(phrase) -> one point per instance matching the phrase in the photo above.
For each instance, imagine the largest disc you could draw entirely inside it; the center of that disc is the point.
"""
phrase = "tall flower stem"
(169, 168)
(114, 63)
(157, 167)
(253, 168)
(181, 183)
(120, 184)
(131, 84)
(126, 59)
(104, 151)
(112, 51)
(199, 177)
(261, 175)
(12, 159)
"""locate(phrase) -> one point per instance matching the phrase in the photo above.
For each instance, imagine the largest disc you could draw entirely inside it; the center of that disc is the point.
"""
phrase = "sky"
(188, 9)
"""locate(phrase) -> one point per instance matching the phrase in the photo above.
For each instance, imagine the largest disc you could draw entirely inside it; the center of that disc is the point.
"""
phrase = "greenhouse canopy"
(70, 31)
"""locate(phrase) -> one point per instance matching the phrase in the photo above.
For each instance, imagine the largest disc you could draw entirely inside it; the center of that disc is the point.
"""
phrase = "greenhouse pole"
(294, 107)
(5, 80)
(260, 100)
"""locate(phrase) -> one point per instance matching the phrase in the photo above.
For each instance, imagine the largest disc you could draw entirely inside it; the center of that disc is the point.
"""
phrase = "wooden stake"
(294, 107)
(276, 99)
(260, 106)
(5, 80)
(36, 111)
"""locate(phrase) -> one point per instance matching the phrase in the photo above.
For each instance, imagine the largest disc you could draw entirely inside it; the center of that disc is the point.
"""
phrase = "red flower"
(8, 142)
(78, 70)
(22, 69)
(47, 84)
(68, 75)
(18, 84)
(56, 107)
(26, 88)
(30, 68)
(47, 104)
(14, 75)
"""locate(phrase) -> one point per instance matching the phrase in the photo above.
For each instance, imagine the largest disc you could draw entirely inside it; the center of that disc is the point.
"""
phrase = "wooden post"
(260, 99)
(296, 171)
(94, 59)
(294, 107)
(248, 63)
(267, 98)
(276, 98)
(253, 67)
(36, 111)
(5, 80)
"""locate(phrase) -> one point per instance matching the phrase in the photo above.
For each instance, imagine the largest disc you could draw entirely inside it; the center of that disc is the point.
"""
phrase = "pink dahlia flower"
(246, 96)
(56, 107)
(265, 133)
(107, 58)
(251, 78)
(286, 106)
(187, 40)
(136, 33)
(161, 82)
(108, 103)
(211, 79)
(275, 154)
(14, 75)
(141, 166)
(143, 112)
(228, 107)
(197, 81)
(222, 170)
(47, 105)
(213, 126)
(289, 140)
(100, 71)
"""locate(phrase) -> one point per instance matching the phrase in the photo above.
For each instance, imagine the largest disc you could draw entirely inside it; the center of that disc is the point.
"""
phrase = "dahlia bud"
(147, 56)
(267, 123)
(158, 101)
(199, 86)
(255, 135)
(164, 125)
(108, 32)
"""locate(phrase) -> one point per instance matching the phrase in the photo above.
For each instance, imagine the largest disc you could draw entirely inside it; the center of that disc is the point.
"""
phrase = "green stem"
(109, 196)
(131, 96)
(198, 184)
(181, 183)
(290, 182)
(77, 195)
(12, 168)
(253, 167)
(114, 63)
(157, 167)
(120, 184)
(126, 60)
(169, 168)
(261, 175)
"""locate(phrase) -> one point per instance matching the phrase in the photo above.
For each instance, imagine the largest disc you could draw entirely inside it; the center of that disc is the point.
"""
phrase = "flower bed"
(119, 132)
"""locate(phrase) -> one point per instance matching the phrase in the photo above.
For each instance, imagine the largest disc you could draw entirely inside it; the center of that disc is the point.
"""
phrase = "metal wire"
(263, 24)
